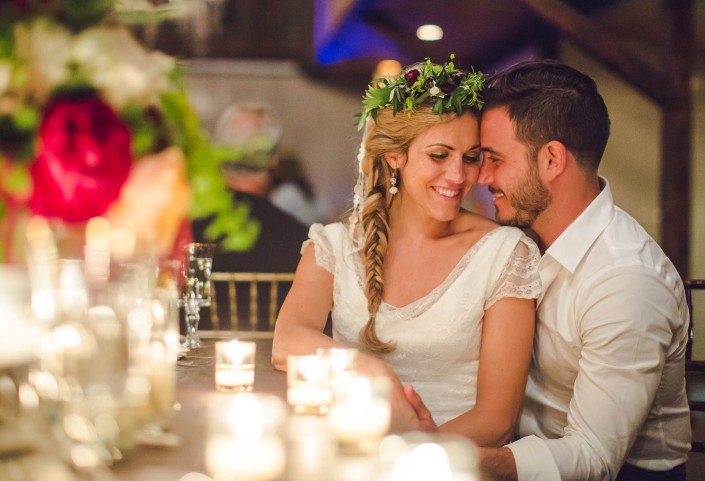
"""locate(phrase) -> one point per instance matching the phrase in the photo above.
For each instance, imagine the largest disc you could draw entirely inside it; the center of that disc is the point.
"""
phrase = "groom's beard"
(529, 199)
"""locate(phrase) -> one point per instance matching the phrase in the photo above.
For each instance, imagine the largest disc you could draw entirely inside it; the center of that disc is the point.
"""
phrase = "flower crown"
(452, 89)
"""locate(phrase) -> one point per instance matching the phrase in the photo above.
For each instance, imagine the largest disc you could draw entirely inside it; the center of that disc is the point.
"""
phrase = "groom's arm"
(497, 463)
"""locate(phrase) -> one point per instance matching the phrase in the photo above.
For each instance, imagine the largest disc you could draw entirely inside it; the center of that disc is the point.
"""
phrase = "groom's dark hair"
(547, 100)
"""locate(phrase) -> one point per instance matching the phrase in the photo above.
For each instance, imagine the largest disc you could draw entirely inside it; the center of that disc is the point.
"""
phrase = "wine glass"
(196, 289)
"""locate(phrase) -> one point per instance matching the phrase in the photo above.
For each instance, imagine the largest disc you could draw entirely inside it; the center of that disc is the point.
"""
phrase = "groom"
(606, 396)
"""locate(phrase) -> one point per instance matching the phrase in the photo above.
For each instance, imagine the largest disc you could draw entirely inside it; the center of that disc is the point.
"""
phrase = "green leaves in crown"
(451, 88)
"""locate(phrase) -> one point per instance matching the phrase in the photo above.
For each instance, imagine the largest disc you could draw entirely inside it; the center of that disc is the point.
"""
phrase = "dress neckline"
(424, 302)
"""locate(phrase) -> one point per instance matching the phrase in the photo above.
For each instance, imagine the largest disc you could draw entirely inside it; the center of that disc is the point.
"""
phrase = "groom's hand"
(426, 422)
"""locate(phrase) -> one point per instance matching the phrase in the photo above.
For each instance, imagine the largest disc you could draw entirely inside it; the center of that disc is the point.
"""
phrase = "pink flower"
(84, 159)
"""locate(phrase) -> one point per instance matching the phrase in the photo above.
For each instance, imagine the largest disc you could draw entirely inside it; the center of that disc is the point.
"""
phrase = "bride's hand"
(426, 422)
(404, 416)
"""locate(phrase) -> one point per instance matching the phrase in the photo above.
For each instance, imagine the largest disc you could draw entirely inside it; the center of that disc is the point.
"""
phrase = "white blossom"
(45, 47)
(117, 65)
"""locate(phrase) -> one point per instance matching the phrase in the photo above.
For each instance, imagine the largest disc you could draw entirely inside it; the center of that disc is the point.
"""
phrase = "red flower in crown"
(84, 159)
(411, 76)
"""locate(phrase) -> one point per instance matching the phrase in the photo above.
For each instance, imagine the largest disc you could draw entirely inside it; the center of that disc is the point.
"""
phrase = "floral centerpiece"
(92, 123)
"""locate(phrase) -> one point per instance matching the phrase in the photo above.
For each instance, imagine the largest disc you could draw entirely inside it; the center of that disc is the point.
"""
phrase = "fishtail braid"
(375, 224)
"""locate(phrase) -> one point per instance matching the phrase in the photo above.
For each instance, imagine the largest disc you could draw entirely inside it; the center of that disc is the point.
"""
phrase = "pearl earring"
(393, 181)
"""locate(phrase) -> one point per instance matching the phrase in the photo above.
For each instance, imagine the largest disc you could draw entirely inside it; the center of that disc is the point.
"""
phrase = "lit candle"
(308, 384)
(248, 447)
(343, 361)
(163, 381)
(418, 456)
(307, 399)
(235, 365)
(360, 415)
(97, 250)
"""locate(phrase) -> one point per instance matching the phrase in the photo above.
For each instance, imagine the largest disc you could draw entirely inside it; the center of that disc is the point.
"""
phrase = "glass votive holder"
(342, 361)
(245, 438)
(308, 384)
(360, 415)
(418, 456)
(235, 365)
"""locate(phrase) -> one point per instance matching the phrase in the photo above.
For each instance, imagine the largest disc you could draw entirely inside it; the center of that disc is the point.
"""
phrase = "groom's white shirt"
(607, 378)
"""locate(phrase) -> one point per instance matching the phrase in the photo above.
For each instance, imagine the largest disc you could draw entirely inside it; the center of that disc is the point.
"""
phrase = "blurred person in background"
(293, 193)
(254, 129)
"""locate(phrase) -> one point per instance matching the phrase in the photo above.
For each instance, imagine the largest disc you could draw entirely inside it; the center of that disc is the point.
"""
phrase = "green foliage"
(147, 134)
(75, 14)
(231, 223)
(80, 14)
(451, 88)
(15, 180)
(158, 12)
(169, 121)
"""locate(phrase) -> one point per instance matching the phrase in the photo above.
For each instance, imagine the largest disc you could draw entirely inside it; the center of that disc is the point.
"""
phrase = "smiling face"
(510, 174)
(440, 166)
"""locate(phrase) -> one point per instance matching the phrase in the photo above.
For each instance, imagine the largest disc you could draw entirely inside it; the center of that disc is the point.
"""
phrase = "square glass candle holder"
(342, 361)
(308, 384)
(235, 365)
(419, 456)
(245, 438)
(360, 415)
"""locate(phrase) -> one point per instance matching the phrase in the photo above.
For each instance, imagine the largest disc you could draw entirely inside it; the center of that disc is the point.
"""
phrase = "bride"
(434, 296)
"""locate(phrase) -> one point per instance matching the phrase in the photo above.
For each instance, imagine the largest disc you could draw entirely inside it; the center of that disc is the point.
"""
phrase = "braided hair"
(389, 133)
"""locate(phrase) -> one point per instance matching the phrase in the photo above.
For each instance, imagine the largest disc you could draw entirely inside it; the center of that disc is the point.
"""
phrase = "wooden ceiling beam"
(587, 34)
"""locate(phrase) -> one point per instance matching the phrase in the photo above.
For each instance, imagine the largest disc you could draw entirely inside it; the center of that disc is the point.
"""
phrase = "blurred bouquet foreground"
(87, 359)
(92, 123)
(102, 165)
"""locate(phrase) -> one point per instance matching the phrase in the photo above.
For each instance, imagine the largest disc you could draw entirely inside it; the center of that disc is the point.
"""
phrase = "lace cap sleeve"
(520, 276)
(323, 248)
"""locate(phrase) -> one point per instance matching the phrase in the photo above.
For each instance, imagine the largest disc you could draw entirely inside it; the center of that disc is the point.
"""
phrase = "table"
(195, 390)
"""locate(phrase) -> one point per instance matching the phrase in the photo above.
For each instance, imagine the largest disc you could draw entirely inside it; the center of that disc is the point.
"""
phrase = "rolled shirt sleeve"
(534, 461)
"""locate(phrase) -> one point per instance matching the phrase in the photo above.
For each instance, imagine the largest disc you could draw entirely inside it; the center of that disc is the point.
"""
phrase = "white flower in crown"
(434, 91)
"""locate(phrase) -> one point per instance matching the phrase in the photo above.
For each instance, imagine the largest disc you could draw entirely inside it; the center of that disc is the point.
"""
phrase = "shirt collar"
(572, 245)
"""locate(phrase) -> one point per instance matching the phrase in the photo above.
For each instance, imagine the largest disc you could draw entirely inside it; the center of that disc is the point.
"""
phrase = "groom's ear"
(552, 159)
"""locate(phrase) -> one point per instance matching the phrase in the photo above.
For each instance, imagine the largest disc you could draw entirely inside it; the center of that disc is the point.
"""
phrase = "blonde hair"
(389, 133)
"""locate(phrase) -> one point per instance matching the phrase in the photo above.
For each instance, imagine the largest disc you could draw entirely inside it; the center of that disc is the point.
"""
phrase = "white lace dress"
(437, 336)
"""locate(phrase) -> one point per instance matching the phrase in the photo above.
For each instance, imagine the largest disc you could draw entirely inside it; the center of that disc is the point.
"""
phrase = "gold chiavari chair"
(694, 368)
(247, 301)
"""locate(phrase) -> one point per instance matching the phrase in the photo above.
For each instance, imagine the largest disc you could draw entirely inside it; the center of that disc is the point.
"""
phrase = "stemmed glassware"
(196, 288)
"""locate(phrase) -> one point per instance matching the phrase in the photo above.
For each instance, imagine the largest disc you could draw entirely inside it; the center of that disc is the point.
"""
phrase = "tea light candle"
(235, 365)
(163, 380)
(260, 459)
(342, 361)
(308, 384)
(307, 399)
(361, 414)
(418, 456)
(247, 447)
